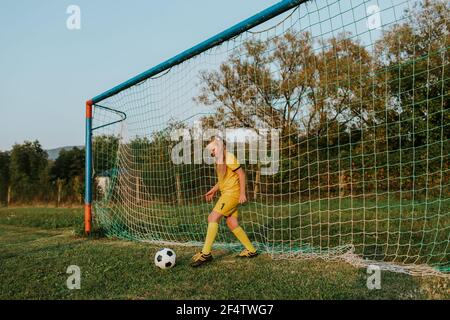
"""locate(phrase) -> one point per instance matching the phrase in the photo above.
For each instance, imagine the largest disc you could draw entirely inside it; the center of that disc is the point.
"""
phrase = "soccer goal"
(337, 110)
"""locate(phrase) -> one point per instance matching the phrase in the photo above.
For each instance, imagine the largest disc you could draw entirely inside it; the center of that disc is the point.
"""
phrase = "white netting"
(359, 93)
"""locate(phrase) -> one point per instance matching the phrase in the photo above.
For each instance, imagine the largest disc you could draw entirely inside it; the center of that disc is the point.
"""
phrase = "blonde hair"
(220, 166)
(217, 139)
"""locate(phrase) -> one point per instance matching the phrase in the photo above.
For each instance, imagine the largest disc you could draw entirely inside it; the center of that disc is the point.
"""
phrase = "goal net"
(338, 112)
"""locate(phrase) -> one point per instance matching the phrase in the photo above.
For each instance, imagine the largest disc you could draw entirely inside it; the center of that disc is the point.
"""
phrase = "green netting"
(358, 92)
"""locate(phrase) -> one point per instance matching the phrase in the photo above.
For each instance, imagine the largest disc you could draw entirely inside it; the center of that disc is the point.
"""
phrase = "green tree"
(346, 115)
(414, 57)
(28, 172)
(67, 174)
(246, 92)
(4, 176)
(70, 163)
(314, 98)
(106, 148)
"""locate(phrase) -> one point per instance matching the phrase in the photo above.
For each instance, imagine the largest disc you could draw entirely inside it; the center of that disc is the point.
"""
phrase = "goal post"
(337, 111)
(88, 169)
(239, 28)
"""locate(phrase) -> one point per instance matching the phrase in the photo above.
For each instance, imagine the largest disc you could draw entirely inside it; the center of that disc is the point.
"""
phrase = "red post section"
(88, 169)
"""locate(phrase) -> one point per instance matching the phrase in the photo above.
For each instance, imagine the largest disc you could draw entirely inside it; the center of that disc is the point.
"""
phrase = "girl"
(231, 184)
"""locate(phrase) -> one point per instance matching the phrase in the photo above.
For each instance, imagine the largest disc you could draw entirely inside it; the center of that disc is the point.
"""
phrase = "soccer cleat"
(247, 254)
(201, 258)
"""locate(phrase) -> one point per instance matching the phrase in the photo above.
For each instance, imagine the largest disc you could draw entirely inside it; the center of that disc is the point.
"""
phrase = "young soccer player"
(231, 184)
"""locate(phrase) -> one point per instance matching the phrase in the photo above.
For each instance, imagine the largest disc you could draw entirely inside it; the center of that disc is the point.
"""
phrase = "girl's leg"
(233, 225)
(213, 228)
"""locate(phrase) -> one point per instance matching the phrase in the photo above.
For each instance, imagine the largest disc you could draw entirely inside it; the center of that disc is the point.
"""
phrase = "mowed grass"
(409, 232)
(38, 244)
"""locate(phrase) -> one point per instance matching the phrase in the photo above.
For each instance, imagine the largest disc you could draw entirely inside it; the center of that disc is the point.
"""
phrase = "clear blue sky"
(47, 72)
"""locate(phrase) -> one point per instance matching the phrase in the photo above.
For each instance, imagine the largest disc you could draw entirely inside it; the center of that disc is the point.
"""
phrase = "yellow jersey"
(229, 183)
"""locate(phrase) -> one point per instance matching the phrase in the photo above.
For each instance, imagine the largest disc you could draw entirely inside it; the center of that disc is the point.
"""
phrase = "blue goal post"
(216, 40)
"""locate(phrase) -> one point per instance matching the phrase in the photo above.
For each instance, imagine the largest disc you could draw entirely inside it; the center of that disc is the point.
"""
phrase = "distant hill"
(54, 153)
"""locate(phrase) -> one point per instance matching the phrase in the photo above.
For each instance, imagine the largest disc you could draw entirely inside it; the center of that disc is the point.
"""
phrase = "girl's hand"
(210, 195)
(242, 199)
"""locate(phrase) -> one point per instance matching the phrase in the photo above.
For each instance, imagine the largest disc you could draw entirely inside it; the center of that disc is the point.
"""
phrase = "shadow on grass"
(96, 232)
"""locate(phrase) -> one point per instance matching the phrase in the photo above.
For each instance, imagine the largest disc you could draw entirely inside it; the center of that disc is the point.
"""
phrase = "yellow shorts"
(227, 206)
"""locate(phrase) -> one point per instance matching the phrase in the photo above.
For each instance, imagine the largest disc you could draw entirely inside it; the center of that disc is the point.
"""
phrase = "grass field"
(410, 232)
(38, 244)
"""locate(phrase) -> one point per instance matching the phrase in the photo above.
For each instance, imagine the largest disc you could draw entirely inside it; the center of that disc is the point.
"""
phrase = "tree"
(70, 163)
(314, 98)
(67, 174)
(246, 93)
(341, 96)
(415, 55)
(342, 107)
(28, 172)
(415, 58)
(4, 176)
(286, 85)
(106, 148)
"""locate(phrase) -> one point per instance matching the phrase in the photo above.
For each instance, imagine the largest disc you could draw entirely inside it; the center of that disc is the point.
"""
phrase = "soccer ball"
(165, 258)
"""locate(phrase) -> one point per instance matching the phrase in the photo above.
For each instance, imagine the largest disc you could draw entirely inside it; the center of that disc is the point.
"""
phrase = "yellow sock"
(211, 234)
(242, 237)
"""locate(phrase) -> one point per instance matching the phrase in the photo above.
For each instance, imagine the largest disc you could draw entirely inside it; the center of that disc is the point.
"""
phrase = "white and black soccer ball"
(165, 258)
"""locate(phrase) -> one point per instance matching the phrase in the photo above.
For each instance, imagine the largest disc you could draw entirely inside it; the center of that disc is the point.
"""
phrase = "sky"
(47, 71)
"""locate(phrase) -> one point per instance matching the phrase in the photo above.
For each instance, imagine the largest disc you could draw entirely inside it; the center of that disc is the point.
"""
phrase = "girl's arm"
(210, 195)
(242, 184)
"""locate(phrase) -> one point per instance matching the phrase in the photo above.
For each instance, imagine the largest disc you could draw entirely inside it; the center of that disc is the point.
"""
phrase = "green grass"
(37, 245)
(394, 231)
(44, 218)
